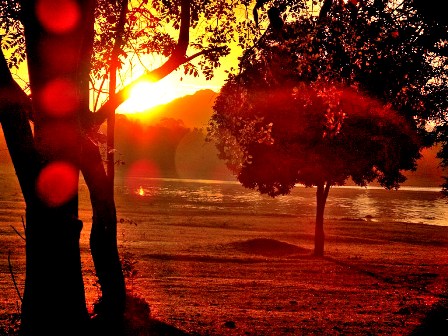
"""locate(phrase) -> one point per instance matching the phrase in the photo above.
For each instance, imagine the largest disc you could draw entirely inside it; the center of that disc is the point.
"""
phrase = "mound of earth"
(268, 247)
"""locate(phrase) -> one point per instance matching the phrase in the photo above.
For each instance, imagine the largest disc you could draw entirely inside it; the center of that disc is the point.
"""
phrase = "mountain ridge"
(194, 110)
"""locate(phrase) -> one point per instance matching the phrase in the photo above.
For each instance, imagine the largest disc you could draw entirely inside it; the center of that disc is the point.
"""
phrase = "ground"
(215, 273)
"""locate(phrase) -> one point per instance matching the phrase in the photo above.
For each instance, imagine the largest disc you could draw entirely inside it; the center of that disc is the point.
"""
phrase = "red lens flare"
(142, 178)
(61, 54)
(58, 16)
(59, 98)
(57, 183)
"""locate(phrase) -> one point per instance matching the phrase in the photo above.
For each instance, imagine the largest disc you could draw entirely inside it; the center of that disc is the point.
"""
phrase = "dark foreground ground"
(206, 273)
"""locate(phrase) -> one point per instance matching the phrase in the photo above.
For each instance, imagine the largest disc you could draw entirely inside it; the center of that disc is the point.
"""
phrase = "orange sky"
(172, 87)
(147, 95)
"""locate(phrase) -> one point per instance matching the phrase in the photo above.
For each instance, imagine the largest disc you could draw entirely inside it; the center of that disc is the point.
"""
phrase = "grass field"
(212, 273)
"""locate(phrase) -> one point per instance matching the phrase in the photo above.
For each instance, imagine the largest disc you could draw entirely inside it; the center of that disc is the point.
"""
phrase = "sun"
(145, 95)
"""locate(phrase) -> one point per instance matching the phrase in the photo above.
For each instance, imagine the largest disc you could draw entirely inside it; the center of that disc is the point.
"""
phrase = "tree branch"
(114, 61)
(10, 92)
(13, 277)
(14, 118)
(176, 59)
(203, 52)
(325, 9)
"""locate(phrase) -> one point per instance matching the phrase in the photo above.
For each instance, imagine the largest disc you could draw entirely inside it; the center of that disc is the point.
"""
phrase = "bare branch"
(18, 233)
(13, 277)
(176, 59)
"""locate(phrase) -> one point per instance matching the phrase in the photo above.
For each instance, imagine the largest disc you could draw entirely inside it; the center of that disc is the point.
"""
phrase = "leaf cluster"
(344, 96)
(11, 32)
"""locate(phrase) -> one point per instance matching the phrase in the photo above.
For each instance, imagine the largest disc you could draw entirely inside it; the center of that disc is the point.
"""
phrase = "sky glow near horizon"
(146, 95)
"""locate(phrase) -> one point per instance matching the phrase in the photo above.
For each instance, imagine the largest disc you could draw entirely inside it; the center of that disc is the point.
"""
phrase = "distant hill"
(428, 173)
(194, 110)
(183, 153)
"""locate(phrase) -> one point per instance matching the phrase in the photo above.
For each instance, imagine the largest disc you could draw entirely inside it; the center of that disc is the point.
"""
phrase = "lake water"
(408, 204)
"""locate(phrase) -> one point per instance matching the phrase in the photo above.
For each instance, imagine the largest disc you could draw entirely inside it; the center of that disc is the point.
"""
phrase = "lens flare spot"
(58, 16)
(57, 183)
(60, 54)
(59, 98)
(142, 178)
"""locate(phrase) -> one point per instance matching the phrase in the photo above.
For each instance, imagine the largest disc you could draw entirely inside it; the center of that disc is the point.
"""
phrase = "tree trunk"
(54, 298)
(319, 236)
(103, 242)
(54, 301)
(103, 236)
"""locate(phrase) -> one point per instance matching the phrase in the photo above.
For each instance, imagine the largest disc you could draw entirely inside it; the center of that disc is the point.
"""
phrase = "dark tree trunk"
(103, 236)
(319, 235)
(54, 301)
(54, 298)
(103, 242)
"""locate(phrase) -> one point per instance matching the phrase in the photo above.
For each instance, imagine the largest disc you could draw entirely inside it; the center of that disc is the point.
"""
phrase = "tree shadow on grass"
(435, 322)
(155, 328)
(138, 321)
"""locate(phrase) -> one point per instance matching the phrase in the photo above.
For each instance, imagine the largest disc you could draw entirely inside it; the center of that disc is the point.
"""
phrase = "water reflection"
(366, 206)
(412, 205)
(140, 191)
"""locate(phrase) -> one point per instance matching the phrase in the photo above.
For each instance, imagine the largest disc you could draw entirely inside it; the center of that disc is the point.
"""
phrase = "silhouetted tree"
(317, 134)
(73, 46)
(435, 26)
(338, 95)
(394, 50)
(76, 50)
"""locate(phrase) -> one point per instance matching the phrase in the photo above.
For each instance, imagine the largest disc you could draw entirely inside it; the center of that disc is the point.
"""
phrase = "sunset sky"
(146, 95)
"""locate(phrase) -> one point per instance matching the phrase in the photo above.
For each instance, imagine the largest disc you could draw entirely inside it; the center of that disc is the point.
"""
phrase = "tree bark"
(54, 301)
(54, 298)
(103, 242)
(319, 235)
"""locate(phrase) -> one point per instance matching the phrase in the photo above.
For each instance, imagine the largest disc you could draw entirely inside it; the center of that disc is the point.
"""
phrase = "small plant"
(128, 263)
(10, 324)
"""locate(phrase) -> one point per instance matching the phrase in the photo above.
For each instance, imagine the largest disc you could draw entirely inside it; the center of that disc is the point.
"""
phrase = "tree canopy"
(310, 134)
(80, 55)
(353, 93)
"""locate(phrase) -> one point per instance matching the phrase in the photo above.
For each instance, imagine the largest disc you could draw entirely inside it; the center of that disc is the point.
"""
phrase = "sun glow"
(146, 94)
(140, 191)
